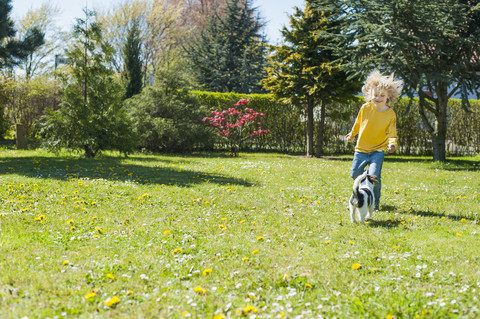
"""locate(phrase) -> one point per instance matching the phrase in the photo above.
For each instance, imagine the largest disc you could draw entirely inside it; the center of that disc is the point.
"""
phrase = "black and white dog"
(363, 199)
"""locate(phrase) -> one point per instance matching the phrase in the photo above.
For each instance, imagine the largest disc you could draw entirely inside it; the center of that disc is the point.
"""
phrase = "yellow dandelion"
(110, 302)
(459, 235)
(351, 242)
(176, 251)
(463, 220)
(185, 313)
(248, 309)
(96, 236)
(328, 241)
(200, 290)
(110, 276)
(73, 228)
(307, 285)
(70, 221)
(218, 316)
(99, 230)
(356, 266)
(374, 269)
(245, 258)
(66, 262)
(260, 238)
(281, 189)
(207, 271)
(90, 295)
(285, 276)
(255, 252)
(284, 244)
(167, 232)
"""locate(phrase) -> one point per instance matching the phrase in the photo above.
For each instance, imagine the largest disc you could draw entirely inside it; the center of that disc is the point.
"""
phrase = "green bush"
(167, 117)
(287, 128)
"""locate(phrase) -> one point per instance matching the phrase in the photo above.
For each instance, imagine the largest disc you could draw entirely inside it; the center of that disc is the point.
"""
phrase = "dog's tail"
(357, 182)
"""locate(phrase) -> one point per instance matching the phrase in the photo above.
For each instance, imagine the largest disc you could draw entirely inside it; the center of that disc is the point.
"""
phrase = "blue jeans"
(374, 160)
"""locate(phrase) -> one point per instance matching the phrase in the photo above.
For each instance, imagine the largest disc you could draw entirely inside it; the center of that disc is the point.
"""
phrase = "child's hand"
(349, 137)
(391, 149)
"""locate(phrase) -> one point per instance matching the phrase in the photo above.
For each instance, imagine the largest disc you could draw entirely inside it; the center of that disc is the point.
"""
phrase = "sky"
(273, 11)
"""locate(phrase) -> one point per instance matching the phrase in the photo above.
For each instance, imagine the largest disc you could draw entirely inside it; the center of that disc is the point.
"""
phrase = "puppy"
(363, 199)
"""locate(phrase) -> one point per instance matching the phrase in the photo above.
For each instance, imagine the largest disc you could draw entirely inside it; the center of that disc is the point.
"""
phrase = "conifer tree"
(229, 56)
(300, 71)
(91, 117)
(13, 51)
(133, 64)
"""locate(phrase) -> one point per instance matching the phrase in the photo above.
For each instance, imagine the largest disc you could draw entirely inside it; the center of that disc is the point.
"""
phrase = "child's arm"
(392, 136)
(356, 127)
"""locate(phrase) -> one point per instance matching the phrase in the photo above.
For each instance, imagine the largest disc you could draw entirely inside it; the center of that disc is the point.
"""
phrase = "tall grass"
(212, 236)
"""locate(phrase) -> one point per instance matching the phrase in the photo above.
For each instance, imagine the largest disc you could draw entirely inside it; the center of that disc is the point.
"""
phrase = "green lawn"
(212, 236)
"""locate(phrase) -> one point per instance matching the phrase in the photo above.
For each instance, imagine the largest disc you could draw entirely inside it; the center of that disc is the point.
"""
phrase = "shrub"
(167, 117)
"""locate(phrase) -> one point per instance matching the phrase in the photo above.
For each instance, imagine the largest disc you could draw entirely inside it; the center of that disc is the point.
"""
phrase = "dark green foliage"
(133, 62)
(91, 116)
(13, 51)
(229, 56)
(301, 71)
(432, 45)
(168, 118)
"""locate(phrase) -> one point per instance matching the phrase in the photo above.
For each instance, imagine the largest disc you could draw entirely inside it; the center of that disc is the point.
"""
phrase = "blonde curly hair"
(388, 83)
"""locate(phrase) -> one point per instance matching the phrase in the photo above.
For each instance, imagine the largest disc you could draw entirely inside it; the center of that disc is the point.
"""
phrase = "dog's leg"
(363, 213)
(370, 212)
(352, 213)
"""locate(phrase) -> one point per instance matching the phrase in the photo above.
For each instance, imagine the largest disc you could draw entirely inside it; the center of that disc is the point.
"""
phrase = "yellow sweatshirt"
(377, 130)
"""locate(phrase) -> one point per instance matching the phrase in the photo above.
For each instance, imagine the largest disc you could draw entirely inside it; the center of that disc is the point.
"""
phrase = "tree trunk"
(321, 130)
(440, 133)
(310, 105)
(89, 152)
(21, 140)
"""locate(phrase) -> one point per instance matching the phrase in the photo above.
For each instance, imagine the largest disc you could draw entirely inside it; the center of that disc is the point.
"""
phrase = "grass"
(211, 236)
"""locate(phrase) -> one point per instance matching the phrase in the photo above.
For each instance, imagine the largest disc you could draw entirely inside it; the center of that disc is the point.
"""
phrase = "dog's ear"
(372, 178)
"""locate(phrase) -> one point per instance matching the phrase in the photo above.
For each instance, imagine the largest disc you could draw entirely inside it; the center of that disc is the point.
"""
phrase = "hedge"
(287, 126)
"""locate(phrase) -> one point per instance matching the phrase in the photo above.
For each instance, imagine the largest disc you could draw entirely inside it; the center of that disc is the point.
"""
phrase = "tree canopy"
(432, 45)
(12, 50)
(229, 56)
(301, 70)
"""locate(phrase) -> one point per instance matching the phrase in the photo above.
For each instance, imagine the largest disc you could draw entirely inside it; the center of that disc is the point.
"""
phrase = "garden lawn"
(212, 236)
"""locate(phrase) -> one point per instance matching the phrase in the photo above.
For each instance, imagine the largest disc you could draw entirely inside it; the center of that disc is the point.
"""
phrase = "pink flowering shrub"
(236, 126)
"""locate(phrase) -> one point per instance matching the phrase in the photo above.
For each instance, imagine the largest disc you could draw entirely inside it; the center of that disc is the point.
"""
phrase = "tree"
(133, 63)
(167, 117)
(300, 71)
(229, 56)
(12, 50)
(91, 116)
(37, 61)
(432, 45)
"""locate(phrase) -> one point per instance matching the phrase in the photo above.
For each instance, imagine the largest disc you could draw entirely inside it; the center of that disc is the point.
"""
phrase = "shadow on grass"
(114, 169)
(424, 213)
(384, 223)
(467, 164)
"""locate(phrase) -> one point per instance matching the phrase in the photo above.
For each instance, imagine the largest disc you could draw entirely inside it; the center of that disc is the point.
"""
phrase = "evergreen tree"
(301, 71)
(432, 45)
(229, 56)
(132, 58)
(13, 51)
(91, 116)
